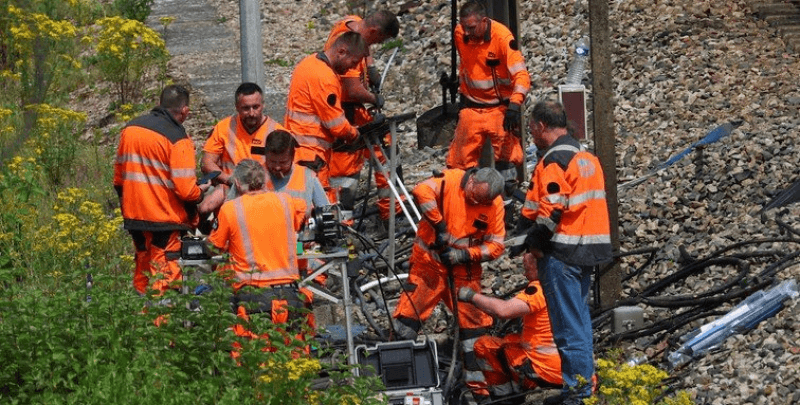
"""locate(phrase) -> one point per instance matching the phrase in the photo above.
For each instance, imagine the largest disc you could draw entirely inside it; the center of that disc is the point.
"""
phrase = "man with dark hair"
(314, 113)
(462, 227)
(493, 85)
(154, 176)
(283, 175)
(360, 87)
(239, 136)
(566, 217)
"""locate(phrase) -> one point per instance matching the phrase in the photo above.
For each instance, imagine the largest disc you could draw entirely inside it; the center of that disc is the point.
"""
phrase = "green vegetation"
(63, 340)
(624, 384)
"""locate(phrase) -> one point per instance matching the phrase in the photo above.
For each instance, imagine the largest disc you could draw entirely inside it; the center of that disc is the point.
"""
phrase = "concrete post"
(251, 42)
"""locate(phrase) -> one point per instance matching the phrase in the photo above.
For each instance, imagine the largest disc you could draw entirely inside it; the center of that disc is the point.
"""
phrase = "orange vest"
(480, 83)
(536, 330)
(478, 228)
(230, 140)
(155, 169)
(567, 194)
(259, 230)
(314, 109)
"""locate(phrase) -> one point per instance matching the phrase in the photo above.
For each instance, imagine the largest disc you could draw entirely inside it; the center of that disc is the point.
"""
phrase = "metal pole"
(604, 137)
(392, 197)
(251, 43)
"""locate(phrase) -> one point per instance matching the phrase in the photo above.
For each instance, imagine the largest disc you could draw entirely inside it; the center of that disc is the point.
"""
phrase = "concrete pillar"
(251, 43)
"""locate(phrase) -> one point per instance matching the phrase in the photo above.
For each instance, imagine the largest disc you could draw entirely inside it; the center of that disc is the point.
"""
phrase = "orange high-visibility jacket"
(230, 140)
(492, 71)
(302, 183)
(567, 195)
(478, 228)
(360, 71)
(155, 171)
(536, 330)
(259, 230)
(314, 109)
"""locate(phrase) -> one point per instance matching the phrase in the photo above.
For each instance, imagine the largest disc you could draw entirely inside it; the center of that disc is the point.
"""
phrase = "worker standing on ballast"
(565, 216)
(493, 82)
(154, 176)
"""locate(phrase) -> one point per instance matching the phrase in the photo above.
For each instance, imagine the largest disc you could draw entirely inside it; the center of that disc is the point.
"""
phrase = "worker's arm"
(212, 162)
(353, 89)
(504, 309)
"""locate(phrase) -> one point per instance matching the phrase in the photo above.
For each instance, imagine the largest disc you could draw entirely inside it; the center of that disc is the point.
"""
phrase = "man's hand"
(379, 100)
(442, 236)
(539, 238)
(511, 120)
(374, 78)
(452, 256)
(466, 294)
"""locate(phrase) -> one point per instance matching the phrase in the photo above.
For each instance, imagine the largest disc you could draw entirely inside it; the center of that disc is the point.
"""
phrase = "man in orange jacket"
(518, 361)
(239, 136)
(360, 87)
(566, 215)
(154, 176)
(259, 230)
(493, 85)
(462, 227)
(314, 113)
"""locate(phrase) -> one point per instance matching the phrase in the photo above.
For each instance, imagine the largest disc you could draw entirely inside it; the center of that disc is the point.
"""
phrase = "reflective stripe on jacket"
(478, 81)
(155, 168)
(478, 228)
(567, 194)
(230, 140)
(259, 230)
(303, 184)
(314, 109)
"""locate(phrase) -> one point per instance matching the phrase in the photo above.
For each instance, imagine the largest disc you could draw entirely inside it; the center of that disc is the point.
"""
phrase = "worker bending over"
(462, 227)
(314, 113)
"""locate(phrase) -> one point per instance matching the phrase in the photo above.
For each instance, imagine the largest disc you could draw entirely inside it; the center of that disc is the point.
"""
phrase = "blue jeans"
(566, 290)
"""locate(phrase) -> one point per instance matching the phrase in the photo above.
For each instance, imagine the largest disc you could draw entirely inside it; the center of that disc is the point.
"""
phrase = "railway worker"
(360, 86)
(154, 176)
(493, 83)
(519, 361)
(239, 136)
(314, 113)
(259, 231)
(566, 215)
(285, 176)
(462, 227)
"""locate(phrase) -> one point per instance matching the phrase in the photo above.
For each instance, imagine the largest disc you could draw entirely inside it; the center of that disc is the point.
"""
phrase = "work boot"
(403, 331)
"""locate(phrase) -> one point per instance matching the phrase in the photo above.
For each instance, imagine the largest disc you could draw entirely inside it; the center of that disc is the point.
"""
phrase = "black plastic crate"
(401, 365)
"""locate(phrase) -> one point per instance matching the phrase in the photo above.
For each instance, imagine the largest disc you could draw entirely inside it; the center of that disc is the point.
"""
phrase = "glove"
(441, 235)
(466, 294)
(539, 238)
(378, 101)
(374, 77)
(514, 251)
(454, 256)
(511, 121)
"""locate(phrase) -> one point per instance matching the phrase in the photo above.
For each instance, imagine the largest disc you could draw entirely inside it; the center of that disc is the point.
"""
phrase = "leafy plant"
(137, 10)
(126, 50)
(624, 384)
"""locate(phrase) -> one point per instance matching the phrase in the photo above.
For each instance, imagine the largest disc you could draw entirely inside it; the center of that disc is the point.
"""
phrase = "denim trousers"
(566, 291)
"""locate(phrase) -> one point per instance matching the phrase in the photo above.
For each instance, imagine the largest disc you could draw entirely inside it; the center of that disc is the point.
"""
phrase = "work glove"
(539, 238)
(374, 78)
(511, 120)
(466, 294)
(441, 235)
(379, 100)
(452, 256)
